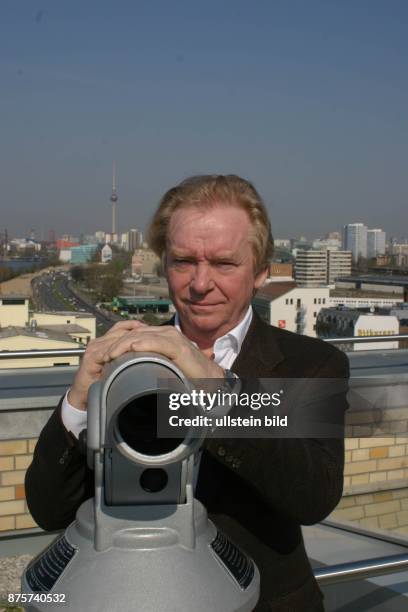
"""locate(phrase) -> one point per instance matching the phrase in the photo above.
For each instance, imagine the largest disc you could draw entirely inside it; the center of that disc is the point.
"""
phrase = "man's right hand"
(93, 361)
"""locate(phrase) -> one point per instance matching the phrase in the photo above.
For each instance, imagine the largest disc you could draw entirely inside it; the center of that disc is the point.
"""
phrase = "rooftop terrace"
(379, 583)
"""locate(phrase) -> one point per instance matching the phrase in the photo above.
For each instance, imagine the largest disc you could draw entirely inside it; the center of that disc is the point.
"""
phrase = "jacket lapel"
(260, 352)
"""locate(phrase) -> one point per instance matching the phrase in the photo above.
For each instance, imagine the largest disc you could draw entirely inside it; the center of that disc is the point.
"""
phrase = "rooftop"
(376, 279)
(67, 313)
(41, 333)
(328, 544)
(272, 291)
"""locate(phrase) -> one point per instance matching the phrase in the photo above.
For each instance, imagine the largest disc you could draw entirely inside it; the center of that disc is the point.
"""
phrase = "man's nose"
(202, 281)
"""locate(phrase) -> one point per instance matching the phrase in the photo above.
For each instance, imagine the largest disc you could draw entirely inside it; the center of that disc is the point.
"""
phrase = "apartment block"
(311, 268)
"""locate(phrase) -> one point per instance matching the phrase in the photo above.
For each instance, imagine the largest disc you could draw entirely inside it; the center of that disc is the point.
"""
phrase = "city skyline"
(308, 102)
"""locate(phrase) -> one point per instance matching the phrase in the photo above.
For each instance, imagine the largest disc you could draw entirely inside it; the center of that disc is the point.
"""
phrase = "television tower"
(114, 199)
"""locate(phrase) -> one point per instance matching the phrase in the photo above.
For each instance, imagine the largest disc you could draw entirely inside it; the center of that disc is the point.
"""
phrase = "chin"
(205, 321)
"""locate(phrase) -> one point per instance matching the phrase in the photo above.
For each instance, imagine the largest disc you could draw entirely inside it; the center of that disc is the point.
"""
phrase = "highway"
(52, 292)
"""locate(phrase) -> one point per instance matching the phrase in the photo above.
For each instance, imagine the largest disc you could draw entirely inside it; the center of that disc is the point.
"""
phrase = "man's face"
(210, 269)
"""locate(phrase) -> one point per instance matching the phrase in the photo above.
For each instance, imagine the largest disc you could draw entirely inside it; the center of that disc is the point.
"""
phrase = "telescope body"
(143, 543)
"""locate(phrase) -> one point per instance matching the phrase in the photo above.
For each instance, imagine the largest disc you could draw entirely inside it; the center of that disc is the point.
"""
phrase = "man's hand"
(169, 342)
(93, 361)
(127, 336)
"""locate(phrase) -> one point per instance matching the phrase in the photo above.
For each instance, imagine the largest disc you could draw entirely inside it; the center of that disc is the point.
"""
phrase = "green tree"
(111, 286)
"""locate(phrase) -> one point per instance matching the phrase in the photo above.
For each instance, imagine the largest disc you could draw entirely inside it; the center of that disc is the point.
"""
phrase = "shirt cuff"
(74, 420)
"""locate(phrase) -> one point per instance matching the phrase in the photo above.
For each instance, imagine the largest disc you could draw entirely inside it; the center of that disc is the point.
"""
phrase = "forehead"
(221, 227)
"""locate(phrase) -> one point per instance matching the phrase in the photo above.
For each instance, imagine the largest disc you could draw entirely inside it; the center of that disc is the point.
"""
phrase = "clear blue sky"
(307, 99)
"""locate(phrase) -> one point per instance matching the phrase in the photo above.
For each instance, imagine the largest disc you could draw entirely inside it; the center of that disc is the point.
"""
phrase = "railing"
(360, 570)
(356, 339)
(77, 352)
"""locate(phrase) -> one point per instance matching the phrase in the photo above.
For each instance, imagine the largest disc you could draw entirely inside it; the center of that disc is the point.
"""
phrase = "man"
(214, 238)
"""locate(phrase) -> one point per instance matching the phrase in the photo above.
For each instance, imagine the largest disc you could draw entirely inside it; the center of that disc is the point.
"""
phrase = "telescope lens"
(137, 425)
(153, 480)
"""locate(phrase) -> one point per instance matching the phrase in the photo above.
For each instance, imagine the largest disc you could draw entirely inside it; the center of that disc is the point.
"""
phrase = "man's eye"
(225, 264)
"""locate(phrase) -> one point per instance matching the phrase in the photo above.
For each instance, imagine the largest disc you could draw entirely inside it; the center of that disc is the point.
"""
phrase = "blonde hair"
(209, 190)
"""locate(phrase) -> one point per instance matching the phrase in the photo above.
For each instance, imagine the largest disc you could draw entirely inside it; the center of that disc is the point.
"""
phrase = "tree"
(77, 274)
(111, 286)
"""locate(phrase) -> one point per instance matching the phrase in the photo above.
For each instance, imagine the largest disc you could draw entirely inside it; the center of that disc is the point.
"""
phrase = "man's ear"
(260, 278)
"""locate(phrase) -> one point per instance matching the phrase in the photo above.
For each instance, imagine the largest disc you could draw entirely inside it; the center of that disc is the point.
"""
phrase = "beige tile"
(360, 467)
(361, 454)
(7, 523)
(12, 478)
(23, 461)
(388, 521)
(13, 447)
(11, 507)
(6, 463)
(25, 521)
(382, 508)
(373, 442)
(7, 493)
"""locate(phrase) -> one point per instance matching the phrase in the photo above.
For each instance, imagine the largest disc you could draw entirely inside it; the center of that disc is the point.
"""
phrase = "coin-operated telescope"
(143, 543)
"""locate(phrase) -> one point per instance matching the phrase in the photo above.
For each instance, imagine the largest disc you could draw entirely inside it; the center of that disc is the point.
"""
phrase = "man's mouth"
(202, 305)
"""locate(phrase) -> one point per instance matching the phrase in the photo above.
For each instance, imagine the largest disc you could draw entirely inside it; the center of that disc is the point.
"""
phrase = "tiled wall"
(375, 483)
(381, 510)
(15, 457)
(374, 464)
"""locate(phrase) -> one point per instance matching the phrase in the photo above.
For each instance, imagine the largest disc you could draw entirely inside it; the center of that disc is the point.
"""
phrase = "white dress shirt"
(226, 349)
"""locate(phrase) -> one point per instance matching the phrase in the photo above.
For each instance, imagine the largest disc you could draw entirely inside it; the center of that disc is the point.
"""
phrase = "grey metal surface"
(359, 570)
(376, 363)
(27, 398)
(73, 352)
(30, 542)
(154, 572)
(328, 545)
(357, 339)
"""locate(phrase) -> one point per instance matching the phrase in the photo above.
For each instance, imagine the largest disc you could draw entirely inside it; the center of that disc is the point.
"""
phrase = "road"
(52, 292)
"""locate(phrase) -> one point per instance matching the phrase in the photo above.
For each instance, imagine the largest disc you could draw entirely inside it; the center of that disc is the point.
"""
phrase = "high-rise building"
(338, 264)
(124, 241)
(311, 268)
(135, 239)
(100, 236)
(355, 240)
(375, 242)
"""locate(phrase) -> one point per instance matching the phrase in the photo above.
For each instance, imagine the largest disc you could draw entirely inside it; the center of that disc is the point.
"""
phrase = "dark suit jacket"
(258, 491)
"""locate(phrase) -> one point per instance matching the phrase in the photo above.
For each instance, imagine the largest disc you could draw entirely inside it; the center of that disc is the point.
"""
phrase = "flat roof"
(375, 279)
(41, 333)
(65, 313)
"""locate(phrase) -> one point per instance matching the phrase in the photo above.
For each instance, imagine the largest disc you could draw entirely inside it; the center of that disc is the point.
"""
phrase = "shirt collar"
(232, 339)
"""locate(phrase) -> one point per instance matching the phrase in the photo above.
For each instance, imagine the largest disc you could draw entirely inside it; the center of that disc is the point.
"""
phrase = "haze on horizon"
(307, 100)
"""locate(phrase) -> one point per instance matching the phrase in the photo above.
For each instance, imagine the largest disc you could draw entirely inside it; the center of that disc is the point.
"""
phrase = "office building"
(311, 268)
(83, 253)
(135, 239)
(375, 242)
(355, 240)
(338, 264)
